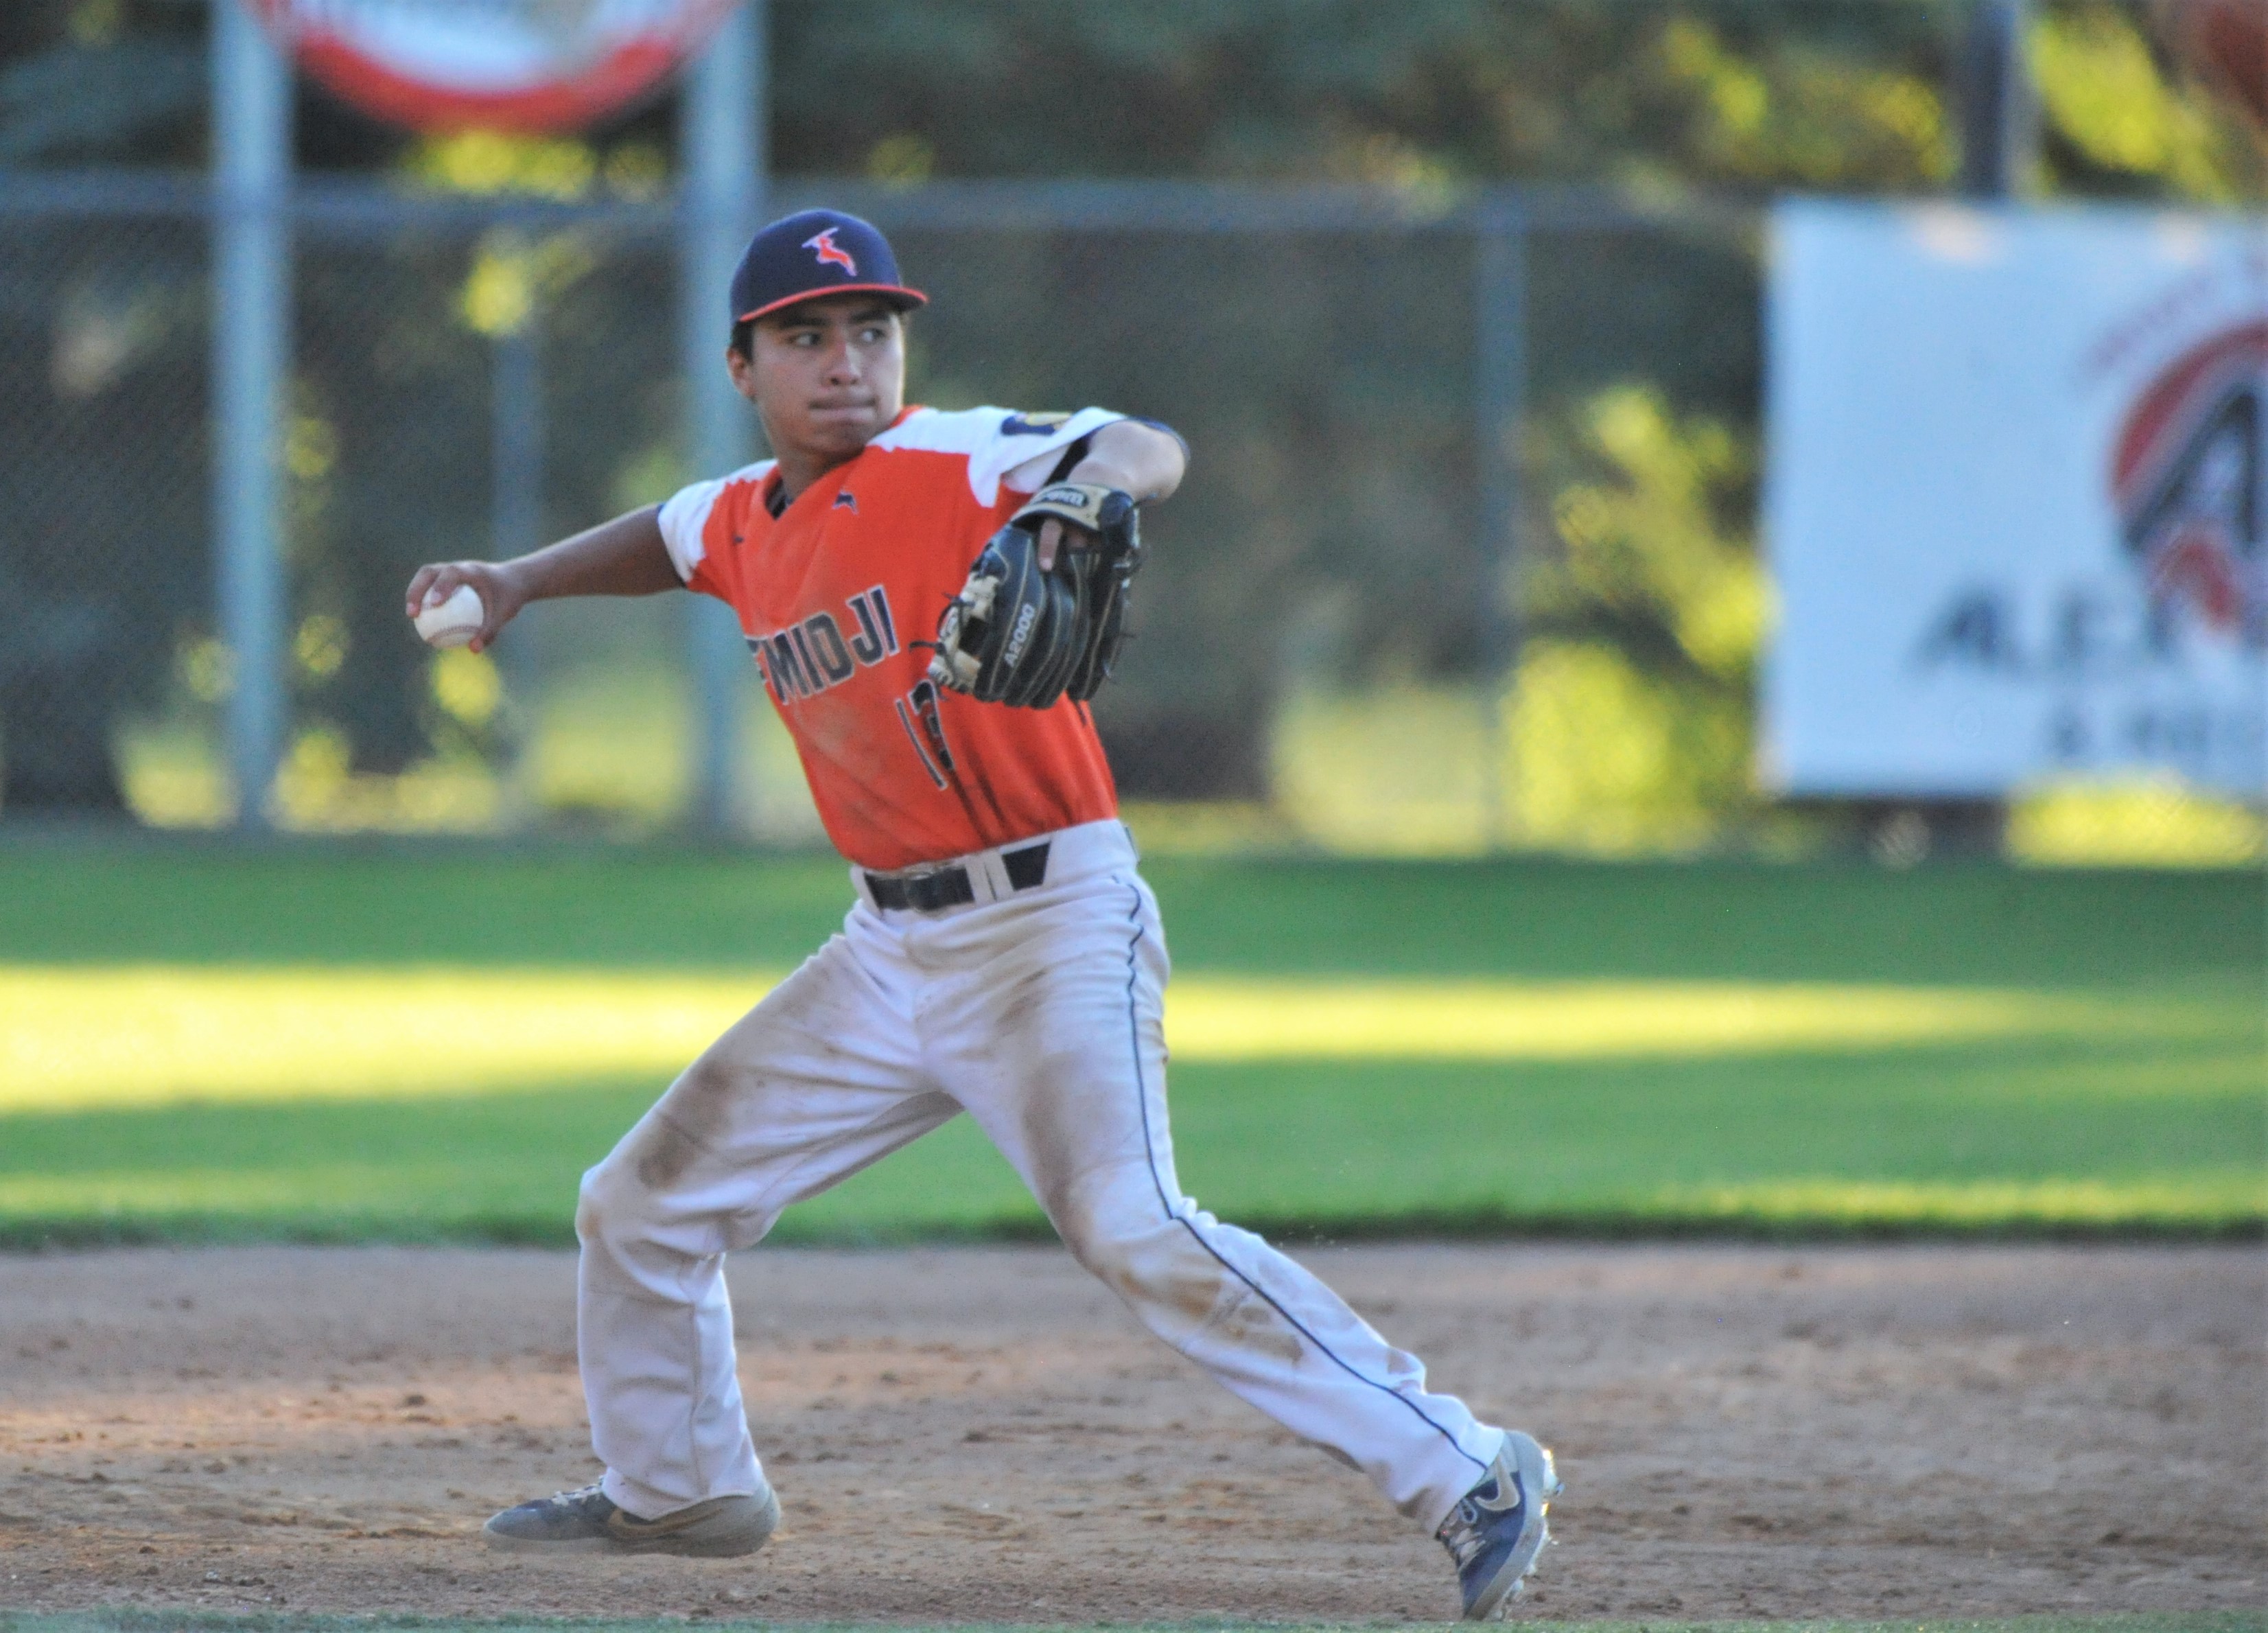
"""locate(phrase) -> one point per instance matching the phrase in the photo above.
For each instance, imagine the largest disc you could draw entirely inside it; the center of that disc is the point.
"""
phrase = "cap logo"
(823, 246)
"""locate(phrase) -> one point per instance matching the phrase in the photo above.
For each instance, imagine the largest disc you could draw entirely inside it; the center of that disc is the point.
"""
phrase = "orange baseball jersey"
(833, 592)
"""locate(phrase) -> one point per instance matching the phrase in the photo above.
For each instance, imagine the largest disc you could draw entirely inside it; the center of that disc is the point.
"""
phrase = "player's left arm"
(1144, 460)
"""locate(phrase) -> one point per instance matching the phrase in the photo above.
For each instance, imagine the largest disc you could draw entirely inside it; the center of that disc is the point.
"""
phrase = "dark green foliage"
(1327, 535)
(103, 496)
(389, 379)
(1845, 94)
(1550, 89)
(121, 83)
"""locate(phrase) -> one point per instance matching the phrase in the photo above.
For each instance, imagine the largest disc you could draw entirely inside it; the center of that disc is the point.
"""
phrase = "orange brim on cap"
(909, 298)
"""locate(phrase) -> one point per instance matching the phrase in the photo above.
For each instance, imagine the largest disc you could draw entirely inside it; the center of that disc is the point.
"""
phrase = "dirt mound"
(984, 1434)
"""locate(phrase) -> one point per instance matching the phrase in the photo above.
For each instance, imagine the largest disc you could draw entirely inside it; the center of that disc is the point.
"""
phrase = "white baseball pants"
(1039, 1012)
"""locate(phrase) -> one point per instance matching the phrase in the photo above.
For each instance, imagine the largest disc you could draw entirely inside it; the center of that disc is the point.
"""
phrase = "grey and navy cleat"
(588, 1521)
(1497, 1528)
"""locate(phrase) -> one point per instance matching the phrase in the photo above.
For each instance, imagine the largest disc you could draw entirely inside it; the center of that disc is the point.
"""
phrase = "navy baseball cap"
(818, 252)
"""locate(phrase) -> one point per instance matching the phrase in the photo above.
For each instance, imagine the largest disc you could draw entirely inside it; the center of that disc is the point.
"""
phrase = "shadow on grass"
(1478, 1224)
(2032, 1142)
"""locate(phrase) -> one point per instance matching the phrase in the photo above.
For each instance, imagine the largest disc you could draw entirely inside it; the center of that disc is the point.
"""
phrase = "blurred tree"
(98, 327)
(103, 506)
(107, 81)
(2223, 44)
(398, 360)
(1677, 94)
(1630, 716)
(2122, 119)
(1325, 381)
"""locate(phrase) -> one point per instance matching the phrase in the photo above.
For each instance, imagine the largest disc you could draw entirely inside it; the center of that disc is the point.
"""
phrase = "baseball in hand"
(453, 622)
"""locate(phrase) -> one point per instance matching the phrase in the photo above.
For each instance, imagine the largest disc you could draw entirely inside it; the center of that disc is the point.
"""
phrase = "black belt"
(949, 887)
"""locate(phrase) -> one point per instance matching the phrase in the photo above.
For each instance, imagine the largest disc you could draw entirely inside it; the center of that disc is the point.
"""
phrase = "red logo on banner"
(2190, 477)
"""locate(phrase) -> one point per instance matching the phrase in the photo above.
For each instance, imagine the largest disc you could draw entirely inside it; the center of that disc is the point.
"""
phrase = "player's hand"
(1055, 534)
(499, 590)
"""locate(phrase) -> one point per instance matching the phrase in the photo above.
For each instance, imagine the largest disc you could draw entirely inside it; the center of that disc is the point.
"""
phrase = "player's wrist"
(1100, 471)
(1144, 461)
(519, 580)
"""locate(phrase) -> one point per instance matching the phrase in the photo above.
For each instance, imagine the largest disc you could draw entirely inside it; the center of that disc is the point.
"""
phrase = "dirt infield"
(982, 1434)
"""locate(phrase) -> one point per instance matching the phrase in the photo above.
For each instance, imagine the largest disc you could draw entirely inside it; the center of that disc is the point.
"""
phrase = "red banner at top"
(532, 65)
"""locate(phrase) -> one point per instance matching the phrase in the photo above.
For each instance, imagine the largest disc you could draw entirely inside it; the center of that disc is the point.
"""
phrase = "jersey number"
(918, 712)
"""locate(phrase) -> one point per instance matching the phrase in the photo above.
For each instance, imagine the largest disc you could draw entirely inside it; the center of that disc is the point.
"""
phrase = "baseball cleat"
(587, 1521)
(1497, 1528)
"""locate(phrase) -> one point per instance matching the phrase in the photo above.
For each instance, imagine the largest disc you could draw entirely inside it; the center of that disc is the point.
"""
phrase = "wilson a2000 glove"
(1022, 636)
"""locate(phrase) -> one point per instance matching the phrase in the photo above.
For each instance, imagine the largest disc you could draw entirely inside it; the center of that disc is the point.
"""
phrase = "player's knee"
(609, 1204)
(1145, 1262)
(1111, 1220)
(638, 1184)
(592, 1210)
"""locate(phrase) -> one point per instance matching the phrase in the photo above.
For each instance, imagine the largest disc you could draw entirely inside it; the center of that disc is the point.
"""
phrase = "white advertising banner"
(2016, 498)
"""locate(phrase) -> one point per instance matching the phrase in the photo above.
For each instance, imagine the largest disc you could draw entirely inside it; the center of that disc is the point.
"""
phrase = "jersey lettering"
(826, 640)
(812, 682)
(808, 658)
(788, 682)
(877, 637)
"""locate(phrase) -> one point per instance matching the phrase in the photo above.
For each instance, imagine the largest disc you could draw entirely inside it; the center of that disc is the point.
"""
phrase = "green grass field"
(346, 1044)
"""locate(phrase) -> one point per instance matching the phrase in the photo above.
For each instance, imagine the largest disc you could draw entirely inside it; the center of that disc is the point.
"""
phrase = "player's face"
(826, 375)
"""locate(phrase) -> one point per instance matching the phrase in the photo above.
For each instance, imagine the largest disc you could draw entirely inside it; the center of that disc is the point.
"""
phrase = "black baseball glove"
(1024, 637)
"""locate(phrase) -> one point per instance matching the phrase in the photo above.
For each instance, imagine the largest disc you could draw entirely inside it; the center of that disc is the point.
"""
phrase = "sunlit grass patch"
(148, 1034)
(2082, 1138)
(1234, 1019)
(310, 1186)
(2196, 1198)
(145, 1035)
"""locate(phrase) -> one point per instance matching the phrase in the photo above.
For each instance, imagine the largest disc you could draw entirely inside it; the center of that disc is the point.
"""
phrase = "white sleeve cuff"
(1034, 458)
(684, 515)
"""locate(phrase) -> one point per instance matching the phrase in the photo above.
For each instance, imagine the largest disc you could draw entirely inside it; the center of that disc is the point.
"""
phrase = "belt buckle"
(940, 888)
(930, 888)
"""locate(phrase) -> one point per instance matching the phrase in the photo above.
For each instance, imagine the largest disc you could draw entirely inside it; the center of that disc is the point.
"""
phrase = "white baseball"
(453, 622)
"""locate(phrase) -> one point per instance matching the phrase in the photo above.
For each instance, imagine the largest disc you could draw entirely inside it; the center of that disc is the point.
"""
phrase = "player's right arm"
(624, 557)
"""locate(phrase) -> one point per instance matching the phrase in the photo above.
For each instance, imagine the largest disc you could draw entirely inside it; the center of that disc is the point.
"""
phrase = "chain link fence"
(1356, 631)
(103, 553)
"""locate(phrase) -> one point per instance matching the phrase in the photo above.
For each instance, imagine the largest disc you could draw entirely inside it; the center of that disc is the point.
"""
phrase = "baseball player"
(1003, 958)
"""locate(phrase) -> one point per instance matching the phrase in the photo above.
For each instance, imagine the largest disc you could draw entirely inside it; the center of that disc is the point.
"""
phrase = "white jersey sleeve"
(1021, 461)
(685, 516)
(1003, 448)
